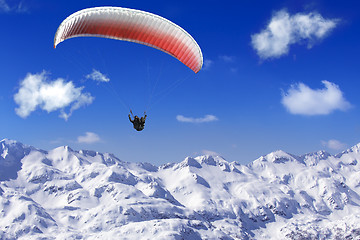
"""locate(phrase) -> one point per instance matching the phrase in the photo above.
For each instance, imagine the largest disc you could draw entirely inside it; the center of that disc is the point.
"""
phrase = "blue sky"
(277, 75)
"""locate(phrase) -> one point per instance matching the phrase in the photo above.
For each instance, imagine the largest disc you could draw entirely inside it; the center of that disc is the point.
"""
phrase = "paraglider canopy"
(135, 26)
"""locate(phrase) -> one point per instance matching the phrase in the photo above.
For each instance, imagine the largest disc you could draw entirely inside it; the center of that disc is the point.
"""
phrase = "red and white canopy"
(135, 26)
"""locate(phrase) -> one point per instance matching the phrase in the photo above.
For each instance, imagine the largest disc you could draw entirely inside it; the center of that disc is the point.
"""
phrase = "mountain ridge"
(86, 194)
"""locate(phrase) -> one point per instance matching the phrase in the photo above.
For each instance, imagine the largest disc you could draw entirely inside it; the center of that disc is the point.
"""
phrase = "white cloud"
(227, 58)
(300, 99)
(210, 153)
(207, 118)
(17, 7)
(4, 7)
(36, 91)
(207, 64)
(97, 76)
(334, 144)
(89, 137)
(285, 30)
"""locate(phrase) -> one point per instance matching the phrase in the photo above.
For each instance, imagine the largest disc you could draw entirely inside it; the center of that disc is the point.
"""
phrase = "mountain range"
(69, 194)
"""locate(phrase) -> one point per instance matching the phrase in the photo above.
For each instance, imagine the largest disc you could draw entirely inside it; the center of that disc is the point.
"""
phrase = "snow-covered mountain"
(67, 194)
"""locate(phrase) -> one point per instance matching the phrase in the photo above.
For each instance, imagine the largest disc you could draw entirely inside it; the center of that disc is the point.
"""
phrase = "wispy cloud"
(206, 118)
(15, 6)
(37, 91)
(89, 138)
(207, 64)
(300, 99)
(210, 153)
(334, 144)
(285, 29)
(4, 7)
(97, 76)
(227, 58)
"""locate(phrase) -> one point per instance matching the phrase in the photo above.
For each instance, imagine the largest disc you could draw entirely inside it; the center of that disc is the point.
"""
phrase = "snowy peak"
(6, 141)
(280, 157)
(314, 158)
(207, 161)
(106, 158)
(275, 160)
(211, 160)
(190, 162)
(353, 151)
(86, 194)
(320, 155)
(13, 146)
(11, 153)
(64, 156)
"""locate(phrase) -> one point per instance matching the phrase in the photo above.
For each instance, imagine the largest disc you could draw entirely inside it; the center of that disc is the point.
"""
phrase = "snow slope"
(67, 194)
